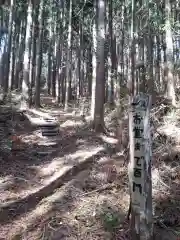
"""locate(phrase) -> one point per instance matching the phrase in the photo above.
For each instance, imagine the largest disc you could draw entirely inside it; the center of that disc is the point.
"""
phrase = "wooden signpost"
(139, 168)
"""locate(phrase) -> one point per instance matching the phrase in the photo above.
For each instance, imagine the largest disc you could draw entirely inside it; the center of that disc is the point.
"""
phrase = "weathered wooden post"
(139, 169)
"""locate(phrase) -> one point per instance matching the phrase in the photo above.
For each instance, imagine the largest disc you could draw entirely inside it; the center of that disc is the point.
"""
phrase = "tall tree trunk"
(169, 77)
(158, 63)
(112, 77)
(89, 69)
(81, 82)
(53, 76)
(35, 31)
(68, 66)
(49, 61)
(27, 57)
(150, 63)
(39, 54)
(120, 132)
(15, 35)
(100, 76)
(20, 52)
(8, 56)
(94, 62)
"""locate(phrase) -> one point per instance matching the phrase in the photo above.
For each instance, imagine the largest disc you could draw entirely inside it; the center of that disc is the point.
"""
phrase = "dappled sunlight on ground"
(38, 113)
(75, 186)
(31, 197)
(172, 131)
(83, 213)
(70, 123)
(47, 169)
(107, 139)
(33, 220)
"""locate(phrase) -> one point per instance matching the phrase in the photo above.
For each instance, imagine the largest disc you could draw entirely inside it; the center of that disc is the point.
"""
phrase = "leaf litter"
(93, 203)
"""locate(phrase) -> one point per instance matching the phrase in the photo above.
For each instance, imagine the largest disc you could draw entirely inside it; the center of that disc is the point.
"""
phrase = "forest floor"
(75, 186)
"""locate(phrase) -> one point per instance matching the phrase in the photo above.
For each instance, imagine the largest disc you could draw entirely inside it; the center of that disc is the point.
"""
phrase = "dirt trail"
(30, 178)
(75, 185)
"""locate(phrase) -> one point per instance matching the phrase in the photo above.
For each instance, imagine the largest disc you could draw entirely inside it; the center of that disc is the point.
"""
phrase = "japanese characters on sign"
(138, 114)
(139, 168)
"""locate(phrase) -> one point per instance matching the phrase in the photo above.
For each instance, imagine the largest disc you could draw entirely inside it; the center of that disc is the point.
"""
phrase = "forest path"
(46, 177)
(75, 185)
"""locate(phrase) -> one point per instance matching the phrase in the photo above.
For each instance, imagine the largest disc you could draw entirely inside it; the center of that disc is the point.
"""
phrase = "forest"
(71, 74)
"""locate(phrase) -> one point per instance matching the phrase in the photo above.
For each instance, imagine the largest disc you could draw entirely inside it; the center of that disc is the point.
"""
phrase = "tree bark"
(68, 61)
(100, 76)
(39, 53)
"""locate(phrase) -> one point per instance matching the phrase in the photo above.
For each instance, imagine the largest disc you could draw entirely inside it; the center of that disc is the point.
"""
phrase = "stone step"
(49, 134)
